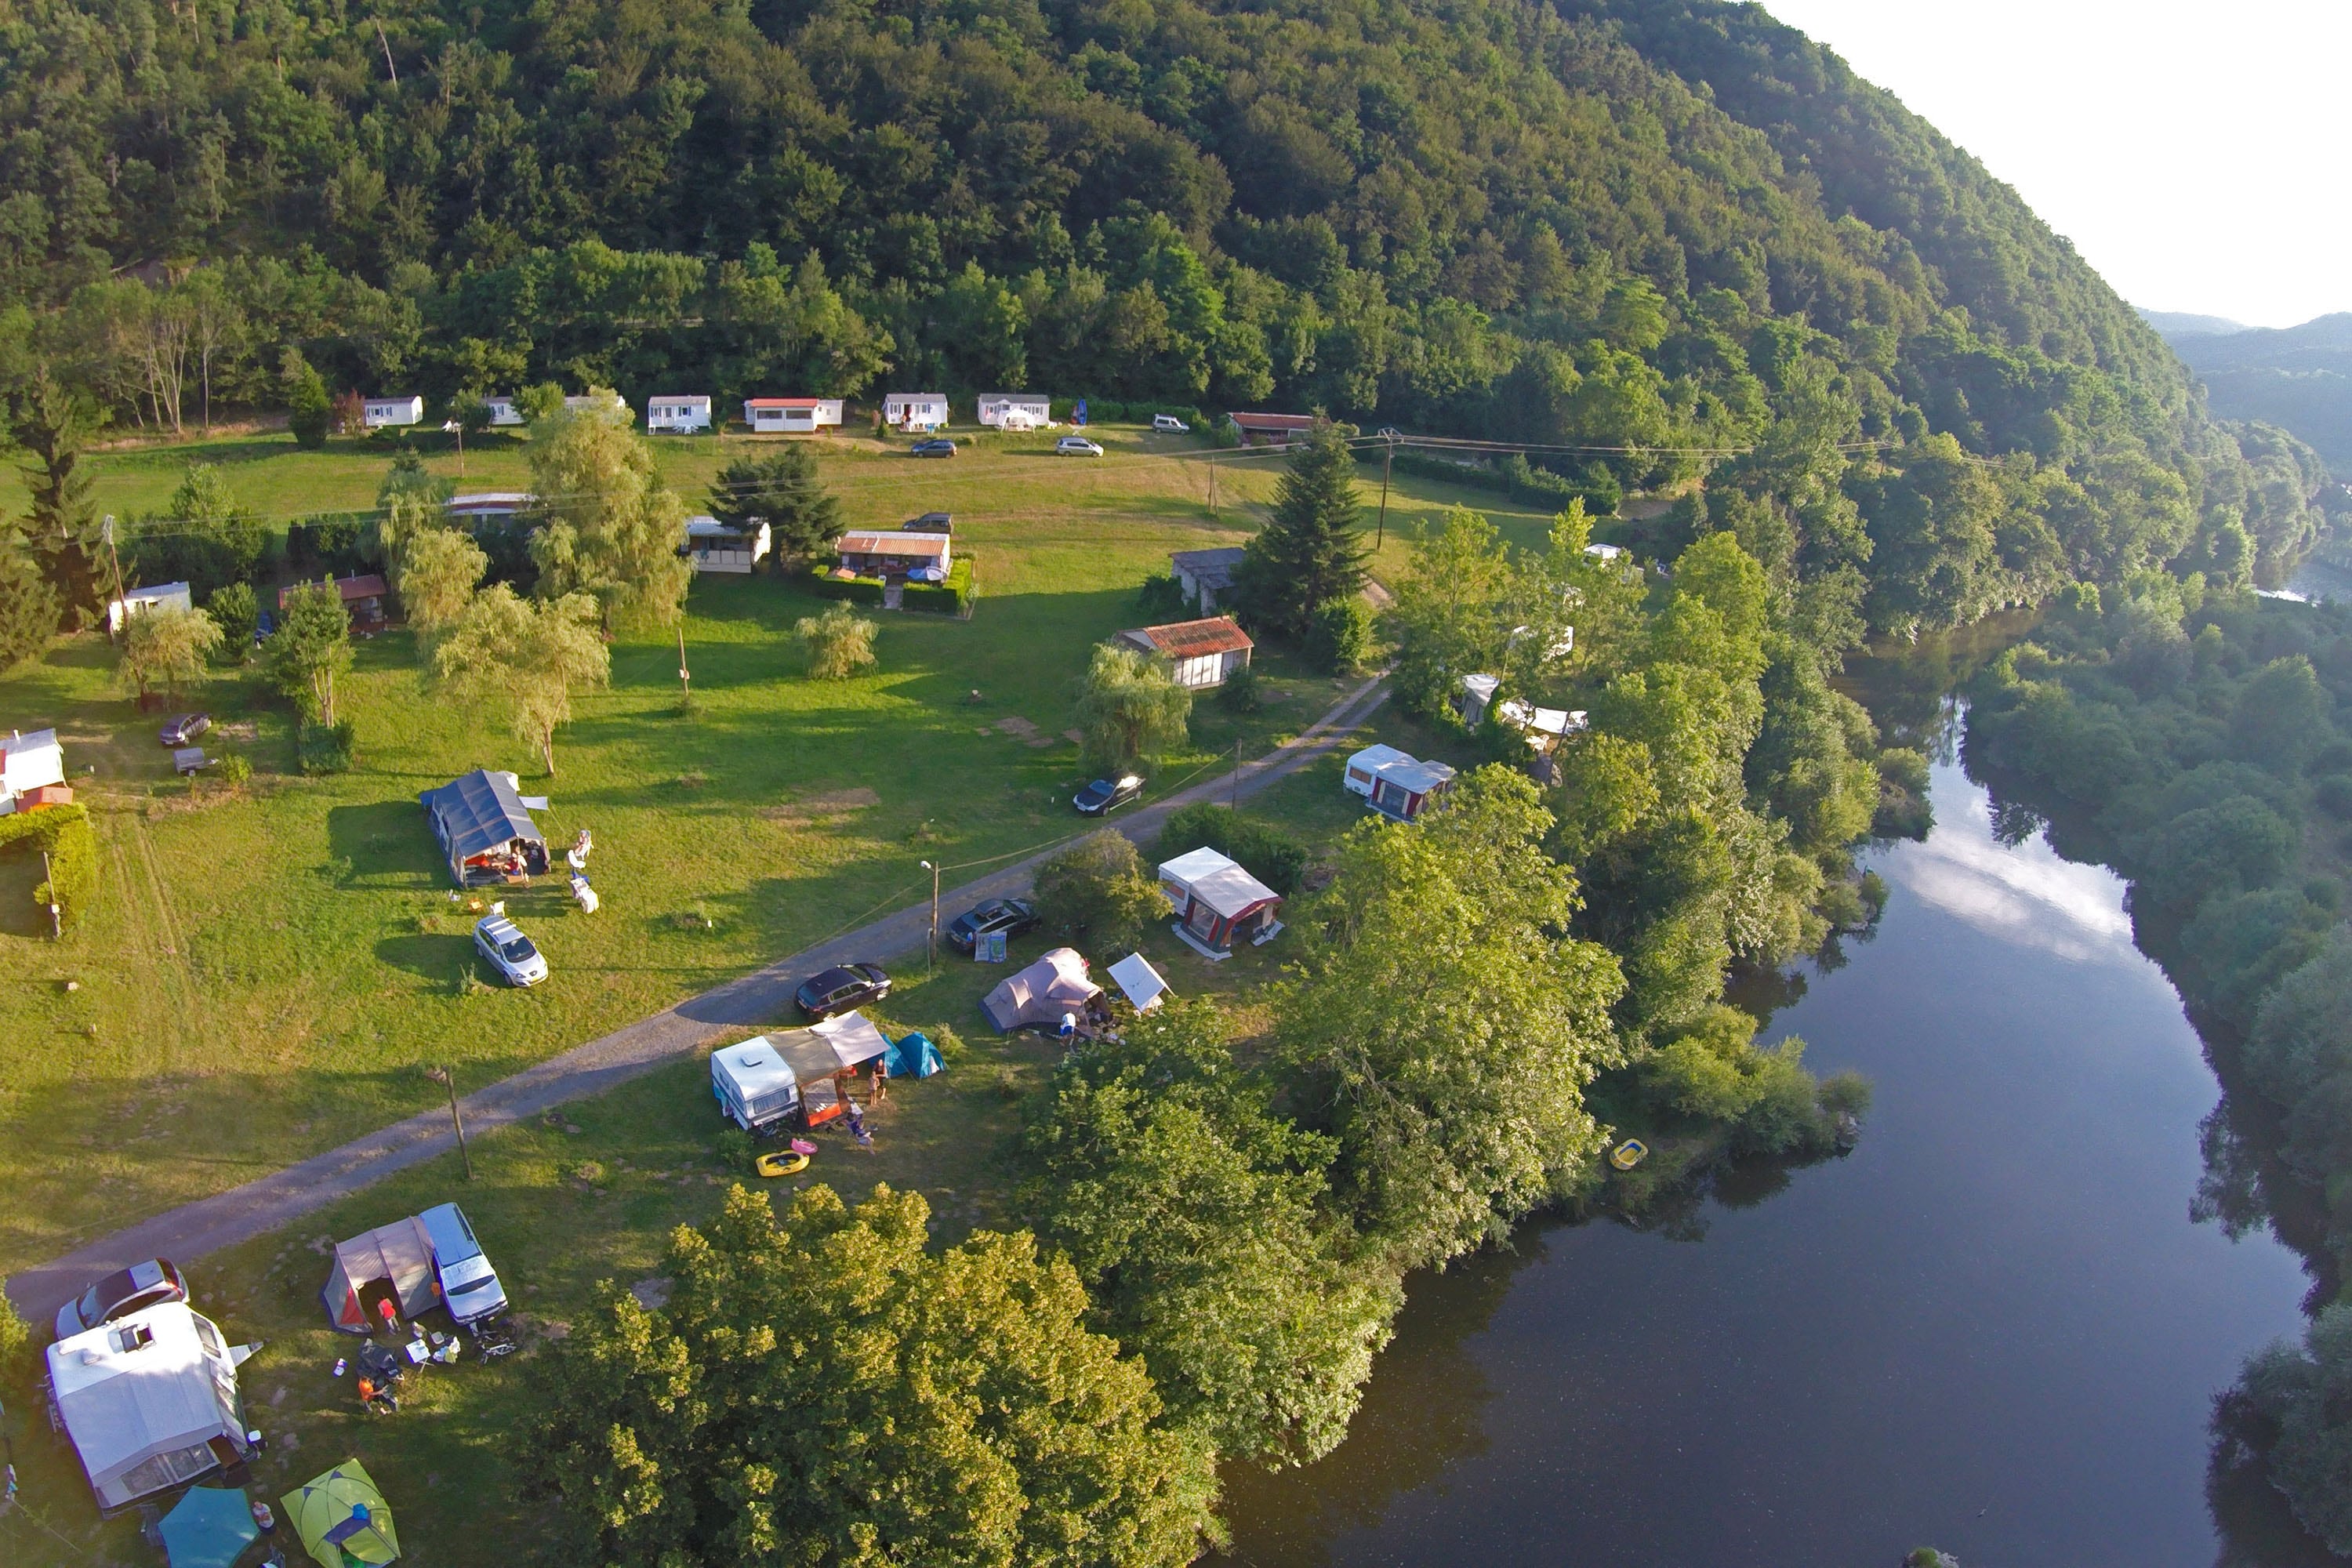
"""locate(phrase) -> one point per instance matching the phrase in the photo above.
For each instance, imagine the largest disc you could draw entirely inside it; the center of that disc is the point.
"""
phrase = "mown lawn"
(266, 973)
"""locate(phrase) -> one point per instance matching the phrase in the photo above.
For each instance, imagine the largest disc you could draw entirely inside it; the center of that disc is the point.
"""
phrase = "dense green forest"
(2194, 739)
(1671, 232)
(2298, 378)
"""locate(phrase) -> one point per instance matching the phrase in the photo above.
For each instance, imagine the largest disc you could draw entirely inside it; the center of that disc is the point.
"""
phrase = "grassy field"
(267, 973)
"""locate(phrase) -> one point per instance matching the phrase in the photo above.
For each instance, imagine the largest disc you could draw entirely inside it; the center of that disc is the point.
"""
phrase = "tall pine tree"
(1311, 552)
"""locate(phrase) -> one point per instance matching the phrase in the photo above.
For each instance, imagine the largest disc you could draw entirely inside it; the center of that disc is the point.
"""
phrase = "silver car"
(510, 952)
(1076, 446)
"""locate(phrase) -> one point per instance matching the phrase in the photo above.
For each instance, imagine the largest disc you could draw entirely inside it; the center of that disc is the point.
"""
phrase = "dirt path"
(225, 1218)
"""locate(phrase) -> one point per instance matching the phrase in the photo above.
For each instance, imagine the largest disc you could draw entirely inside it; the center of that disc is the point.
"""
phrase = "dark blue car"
(938, 448)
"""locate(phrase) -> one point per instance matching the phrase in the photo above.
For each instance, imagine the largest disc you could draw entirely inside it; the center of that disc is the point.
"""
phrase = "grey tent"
(1039, 995)
(484, 829)
(391, 1263)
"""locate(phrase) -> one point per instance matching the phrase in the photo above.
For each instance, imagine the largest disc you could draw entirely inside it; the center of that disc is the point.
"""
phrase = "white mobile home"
(383, 413)
(139, 601)
(489, 506)
(915, 410)
(150, 1401)
(1016, 411)
(791, 414)
(30, 765)
(715, 546)
(504, 411)
(677, 416)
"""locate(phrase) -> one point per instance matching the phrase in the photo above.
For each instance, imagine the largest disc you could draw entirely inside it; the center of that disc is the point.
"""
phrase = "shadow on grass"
(440, 956)
(386, 843)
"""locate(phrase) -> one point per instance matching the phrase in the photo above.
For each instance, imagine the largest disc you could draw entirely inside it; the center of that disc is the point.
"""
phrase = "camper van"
(468, 1285)
(754, 1084)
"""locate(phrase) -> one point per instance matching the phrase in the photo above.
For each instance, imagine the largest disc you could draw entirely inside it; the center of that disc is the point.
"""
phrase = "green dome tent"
(342, 1520)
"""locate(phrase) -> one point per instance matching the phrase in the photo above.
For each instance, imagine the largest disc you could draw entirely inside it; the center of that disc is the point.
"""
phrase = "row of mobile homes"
(32, 771)
(900, 553)
(912, 410)
(1199, 654)
(1395, 784)
(788, 416)
(715, 546)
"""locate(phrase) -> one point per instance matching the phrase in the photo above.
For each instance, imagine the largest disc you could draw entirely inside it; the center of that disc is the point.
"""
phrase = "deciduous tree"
(526, 655)
(311, 647)
(1129, 707)
(1099, 893)
(606, 529)
(837, 643)
(166, 648)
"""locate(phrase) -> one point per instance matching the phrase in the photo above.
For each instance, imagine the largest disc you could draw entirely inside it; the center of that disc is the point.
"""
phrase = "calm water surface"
(1993, 1329)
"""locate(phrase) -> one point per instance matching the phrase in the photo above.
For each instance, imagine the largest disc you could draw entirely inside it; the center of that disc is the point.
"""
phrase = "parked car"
(1169, 421)
(183, 729)
(466, 1283)
(1106, 796)
(1076, 446)
(121, 1293)
(930, 522)
(510, 952)
(938, 446)
(1011, 916)
(840, 989)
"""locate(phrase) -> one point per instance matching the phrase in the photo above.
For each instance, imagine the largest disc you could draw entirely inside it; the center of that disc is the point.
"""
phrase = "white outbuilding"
(716, 546)
(915, 410)
(141, 601)
(505, 412)
(29, 764)
(790, 415)
(1016, 410)
(150, 1401)
(675, 414)
(382, 413)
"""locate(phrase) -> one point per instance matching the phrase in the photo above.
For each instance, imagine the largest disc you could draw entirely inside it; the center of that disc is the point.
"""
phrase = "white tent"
(1054, 984)
(1138, 982)
(148, 1400)
(853, 1039)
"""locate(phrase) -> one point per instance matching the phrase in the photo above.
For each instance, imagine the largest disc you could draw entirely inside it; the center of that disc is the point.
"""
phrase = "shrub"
(836, 644)
(325, 748)
(857, 590)
(1341, 641)
(1242, 692)
(1161, 599)
(733, 1147)
(1098, 887)
(953, 598)
(235, 772)
(64, 833)
(1264, 851)
(237, 613)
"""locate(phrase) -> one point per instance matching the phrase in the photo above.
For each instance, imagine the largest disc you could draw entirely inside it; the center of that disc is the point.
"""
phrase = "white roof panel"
(118, 1404)
(1141, 984)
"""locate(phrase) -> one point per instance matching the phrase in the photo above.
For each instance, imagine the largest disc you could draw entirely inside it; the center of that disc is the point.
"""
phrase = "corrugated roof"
(1195, 640)
(1273, 421)
(788, 402)
(892, 541)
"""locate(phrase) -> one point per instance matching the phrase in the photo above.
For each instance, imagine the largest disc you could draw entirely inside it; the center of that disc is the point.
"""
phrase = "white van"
(1168, 423)
(468, 1285)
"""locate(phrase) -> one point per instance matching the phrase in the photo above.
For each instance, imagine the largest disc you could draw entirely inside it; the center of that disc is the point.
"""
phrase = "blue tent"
(208, 1529)
(914, 1056)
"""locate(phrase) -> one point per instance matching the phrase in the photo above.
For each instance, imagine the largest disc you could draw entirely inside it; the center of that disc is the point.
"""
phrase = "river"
(1993, 1329)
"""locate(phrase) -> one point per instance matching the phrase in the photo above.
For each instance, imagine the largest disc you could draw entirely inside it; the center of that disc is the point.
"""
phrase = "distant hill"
(2298, 378)
(2175, 324)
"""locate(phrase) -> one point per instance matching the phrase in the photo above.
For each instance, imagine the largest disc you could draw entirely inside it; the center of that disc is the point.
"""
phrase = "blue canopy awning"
(208, 1529)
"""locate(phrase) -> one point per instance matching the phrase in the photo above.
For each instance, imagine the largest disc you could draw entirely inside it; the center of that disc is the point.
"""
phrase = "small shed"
(789, 415)
(485, 830)
(1271, 429)
(674, 414)
(1038, 995)
(1016, 410)
(30, 765)
(915, 410)
(383, 413)
(1199, 654)
(141, 601)
(505, 412)
(1206, 576)
(716, 546)
(1140, 983)
(1217, 902)
(363, 598)
(896, 552)
(150, 1401)
(391, 1263)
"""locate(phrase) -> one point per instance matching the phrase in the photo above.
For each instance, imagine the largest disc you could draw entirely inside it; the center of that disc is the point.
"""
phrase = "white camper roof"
(1140, 982)
(28, 762)
(145, 1385)
(1217, 881)
(1416, 777)
(754, 1067)
(1373, 758)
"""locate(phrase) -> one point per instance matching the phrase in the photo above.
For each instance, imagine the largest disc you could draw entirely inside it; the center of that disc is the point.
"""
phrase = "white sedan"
(510, 952)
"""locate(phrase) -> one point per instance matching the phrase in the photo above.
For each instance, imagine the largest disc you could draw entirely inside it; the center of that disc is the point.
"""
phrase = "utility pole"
(1388, 453)
(117, 559)
(56, 912)
(1213, 487)
(1235, 793)
(685, 681)
(448, 1077)
(934, 960)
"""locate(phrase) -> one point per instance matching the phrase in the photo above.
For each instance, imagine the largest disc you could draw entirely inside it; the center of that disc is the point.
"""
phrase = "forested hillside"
(2298, 378)
(1677, 231)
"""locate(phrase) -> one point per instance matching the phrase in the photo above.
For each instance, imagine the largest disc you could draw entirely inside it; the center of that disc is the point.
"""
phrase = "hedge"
(64, 831)
(953, 598)
(1521, 481)
(1110, 411)
(857, 590)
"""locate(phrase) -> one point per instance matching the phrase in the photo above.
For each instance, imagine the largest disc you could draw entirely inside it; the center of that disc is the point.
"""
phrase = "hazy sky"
(2193, 152)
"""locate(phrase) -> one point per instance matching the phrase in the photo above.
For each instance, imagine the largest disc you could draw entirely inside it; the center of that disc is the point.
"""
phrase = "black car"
(120, 1294)
(841, 989)
(183, 729)
(1107, 794)
(1011, 916)
(939, 447)
(930, 522)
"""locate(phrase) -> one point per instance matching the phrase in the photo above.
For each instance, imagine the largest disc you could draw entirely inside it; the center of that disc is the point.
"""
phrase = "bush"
(334, 544)
(950, 1045)
(325, 748)
(1242, 692)
(237, 613)
(64, 833)
(235, 772)
(953, 598)
(836, 644)
(1516, 478)
(1161, 599)
(1341, 641)
(1264, 851)
(855, 590)
(733, 1147)
(1098, 887)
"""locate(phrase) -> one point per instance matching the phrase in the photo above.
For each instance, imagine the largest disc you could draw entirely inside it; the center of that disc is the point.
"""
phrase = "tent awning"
(854, 1039)
(209, 1528)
